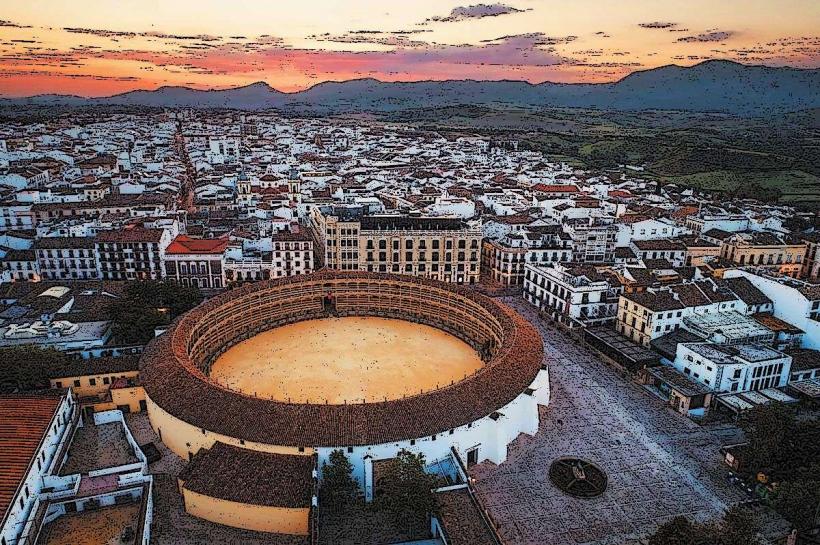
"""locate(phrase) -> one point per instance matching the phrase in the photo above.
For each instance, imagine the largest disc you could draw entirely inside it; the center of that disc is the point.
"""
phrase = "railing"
(314, 506)
(485, 515)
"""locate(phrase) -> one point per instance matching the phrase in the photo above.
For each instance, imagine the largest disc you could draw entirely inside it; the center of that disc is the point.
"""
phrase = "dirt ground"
(348, 359)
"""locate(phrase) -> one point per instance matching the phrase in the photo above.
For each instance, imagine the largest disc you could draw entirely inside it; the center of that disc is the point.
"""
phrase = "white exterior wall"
(734, 377)
(43, 464)
(789, 305)
(491, 437)
(652, 229)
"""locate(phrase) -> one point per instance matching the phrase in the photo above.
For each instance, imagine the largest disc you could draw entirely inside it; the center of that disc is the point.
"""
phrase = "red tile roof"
(184, 244)
(24, 420)
(251, 477)
(173, 380)
(544, 188)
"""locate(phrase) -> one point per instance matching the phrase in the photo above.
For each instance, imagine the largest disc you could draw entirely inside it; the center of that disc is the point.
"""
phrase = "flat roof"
(678, 381)
(732, 325)
(735, 402)
(98, 446)
(92, 526)
(809, 388)
(777, 395)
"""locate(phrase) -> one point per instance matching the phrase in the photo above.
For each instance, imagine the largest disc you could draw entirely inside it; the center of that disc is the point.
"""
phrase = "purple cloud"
(476, 11)
(658, 25)
(12, 24)
(710, 36)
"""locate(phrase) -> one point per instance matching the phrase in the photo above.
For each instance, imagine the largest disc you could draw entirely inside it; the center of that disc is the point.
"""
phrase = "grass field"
(769, 159)
(793, 186)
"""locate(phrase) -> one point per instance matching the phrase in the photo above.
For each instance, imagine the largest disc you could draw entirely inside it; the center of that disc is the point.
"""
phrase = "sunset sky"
(103, 47)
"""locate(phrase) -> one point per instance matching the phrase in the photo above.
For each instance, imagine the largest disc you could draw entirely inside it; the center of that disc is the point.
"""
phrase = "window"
(92, 381)
(77, 383)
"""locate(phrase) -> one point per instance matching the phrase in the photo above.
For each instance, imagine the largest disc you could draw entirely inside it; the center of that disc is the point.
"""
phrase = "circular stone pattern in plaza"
(578, 477)
(344, 360)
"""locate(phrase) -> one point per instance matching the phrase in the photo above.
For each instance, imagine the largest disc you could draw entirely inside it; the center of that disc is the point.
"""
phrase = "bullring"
(474, 417)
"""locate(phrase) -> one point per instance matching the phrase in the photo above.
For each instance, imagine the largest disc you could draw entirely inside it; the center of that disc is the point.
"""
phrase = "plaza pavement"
(659, 463)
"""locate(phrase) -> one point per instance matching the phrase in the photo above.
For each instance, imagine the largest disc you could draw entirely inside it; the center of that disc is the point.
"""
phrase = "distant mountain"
(711, 86)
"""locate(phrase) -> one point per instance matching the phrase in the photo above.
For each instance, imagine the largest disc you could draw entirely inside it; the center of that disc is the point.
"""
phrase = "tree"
(678, 531)
(406, 489)
(738, 527)
(148, 304)
(798, 499)
(788, 450)
(768, 429)
(339, 487)
(28, 367)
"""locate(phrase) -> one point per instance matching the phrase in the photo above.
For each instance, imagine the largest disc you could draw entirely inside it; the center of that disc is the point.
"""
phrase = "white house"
(739, 368)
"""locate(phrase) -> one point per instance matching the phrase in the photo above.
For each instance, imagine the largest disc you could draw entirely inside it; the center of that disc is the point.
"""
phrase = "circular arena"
(468, 410)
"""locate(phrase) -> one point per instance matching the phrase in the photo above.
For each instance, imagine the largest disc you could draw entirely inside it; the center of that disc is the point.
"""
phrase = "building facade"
(133, 253)
(66, 258)
(438, 248)
(572, 295)
(196, 262)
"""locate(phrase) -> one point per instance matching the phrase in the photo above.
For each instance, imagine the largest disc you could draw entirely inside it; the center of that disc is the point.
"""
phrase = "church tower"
(294, 186)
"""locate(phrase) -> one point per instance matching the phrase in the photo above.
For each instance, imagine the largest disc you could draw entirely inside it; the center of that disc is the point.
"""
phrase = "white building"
(795, 302)
(31, 448)
(572, 295)
(648, 229)
(735, 369)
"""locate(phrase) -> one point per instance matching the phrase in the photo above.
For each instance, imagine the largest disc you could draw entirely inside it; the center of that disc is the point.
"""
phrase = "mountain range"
(710, 86)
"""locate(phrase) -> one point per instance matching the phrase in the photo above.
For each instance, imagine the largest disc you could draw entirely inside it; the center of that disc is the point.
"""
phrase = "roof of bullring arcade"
(176, 379)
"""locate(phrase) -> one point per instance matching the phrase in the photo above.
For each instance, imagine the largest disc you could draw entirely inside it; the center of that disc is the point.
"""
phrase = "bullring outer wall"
(485, 411)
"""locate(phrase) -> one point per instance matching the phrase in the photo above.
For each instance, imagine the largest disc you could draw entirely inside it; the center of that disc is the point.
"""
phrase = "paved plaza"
(659, 463)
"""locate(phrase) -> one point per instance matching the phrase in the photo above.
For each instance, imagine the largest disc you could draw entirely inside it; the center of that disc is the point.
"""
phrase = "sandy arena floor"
(345, 359)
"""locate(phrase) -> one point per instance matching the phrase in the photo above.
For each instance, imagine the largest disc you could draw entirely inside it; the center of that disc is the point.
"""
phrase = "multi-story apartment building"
(593, 239)
(22, 265)
(780, 254)
(706, 221)
(131, 253)
(440, 248)
(796, 302)
(122, 205)
(671, 250)
(196, 262)
(35, 434)
(290, 254)
(503, 260)
(15, 216)
(646, 315)
(66, 258)
(698, 251)
(811, 264)
(574, 295)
